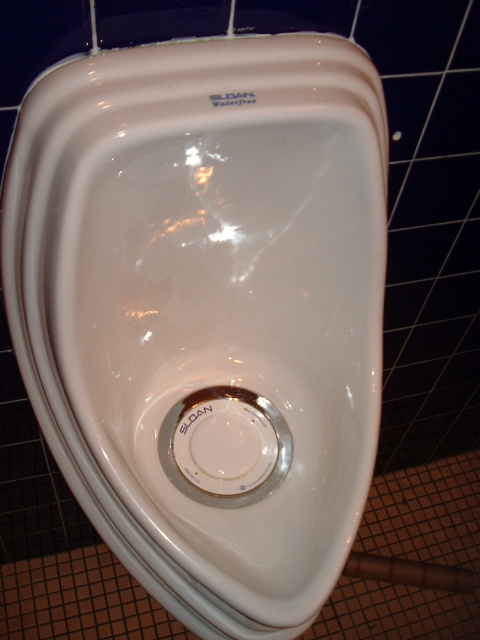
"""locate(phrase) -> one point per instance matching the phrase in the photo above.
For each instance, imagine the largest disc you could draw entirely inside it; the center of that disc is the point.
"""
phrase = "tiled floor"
(431, 513)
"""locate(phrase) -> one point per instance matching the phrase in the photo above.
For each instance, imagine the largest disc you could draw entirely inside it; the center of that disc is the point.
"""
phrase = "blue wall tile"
(451, 297)
(11, 385)
(462, 368)
(426, 344)
(35, 35)
(287, 16)
(403, 303)
(23, 460)
(393, 342)
(410, 380)
(18, 423)
(439, 190)
(396, 177)
(453, 127)
(462, 436)
(401, 411)
(408, 103)
(429, 56)
(7, 122)
(125, 23)
(440, 401)
(471, 340)
(409, 36)
(416, 254)
(467, 55)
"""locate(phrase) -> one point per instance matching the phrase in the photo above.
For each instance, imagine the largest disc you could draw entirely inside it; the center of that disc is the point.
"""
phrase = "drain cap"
(225, 447)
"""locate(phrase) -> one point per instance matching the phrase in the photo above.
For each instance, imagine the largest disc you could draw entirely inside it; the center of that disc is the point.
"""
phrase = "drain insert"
(225, 446)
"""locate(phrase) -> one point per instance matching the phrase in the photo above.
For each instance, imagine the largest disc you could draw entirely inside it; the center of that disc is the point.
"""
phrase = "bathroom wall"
(427, 53)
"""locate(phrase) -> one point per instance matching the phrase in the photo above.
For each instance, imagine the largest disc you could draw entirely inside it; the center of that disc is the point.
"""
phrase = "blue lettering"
(233, 99)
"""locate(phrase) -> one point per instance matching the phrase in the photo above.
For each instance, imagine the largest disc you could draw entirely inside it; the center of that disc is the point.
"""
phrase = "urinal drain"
(225, 446)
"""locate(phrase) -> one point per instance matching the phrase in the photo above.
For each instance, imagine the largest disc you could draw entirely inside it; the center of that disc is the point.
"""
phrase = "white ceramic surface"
(198, 214)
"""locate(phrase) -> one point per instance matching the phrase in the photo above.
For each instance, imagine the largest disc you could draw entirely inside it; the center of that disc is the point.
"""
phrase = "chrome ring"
(260, 404)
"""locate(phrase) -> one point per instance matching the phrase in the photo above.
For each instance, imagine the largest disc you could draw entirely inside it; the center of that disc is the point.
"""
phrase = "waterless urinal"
(194, 255)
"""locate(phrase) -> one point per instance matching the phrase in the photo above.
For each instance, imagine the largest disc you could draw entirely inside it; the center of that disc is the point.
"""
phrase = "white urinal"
(193, 261)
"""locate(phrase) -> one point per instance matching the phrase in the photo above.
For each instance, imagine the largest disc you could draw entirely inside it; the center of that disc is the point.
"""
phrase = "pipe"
(408, 572)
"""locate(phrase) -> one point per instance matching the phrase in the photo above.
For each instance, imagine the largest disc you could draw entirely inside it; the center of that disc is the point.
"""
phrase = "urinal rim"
(32, 373)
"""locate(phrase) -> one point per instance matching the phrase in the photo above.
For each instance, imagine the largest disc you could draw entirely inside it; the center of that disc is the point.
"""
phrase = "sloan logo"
(190, 419)
(233, 99)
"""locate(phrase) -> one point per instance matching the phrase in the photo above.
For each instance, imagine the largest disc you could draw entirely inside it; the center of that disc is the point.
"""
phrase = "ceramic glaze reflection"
(221, 215)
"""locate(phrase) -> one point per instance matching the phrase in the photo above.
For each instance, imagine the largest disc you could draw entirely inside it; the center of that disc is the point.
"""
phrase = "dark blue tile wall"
(429, 58)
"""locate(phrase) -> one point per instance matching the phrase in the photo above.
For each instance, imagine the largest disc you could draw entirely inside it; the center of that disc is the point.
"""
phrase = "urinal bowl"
(195, 229)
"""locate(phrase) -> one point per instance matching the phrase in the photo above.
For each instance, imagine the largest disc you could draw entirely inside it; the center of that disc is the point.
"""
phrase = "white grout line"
(355, 20)
(230, 32)
(466, 154)
(93, 21)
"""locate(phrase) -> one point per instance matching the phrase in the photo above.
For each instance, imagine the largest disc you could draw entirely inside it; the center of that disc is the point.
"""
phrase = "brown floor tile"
(431, 513)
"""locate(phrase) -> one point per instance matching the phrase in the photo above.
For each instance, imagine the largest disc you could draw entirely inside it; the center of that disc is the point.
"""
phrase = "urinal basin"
(198, 215)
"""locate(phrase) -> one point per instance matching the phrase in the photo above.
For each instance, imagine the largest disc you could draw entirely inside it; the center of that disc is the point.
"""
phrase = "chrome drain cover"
(225, 446)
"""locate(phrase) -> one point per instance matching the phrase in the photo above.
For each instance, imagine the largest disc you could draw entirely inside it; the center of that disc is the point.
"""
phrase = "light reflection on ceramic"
(176, 246)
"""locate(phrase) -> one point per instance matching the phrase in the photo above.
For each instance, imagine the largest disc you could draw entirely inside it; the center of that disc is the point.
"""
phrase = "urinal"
(193, 262)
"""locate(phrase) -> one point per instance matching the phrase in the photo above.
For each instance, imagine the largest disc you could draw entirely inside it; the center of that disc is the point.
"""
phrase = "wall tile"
(475, 400)
(471, 340)
(453, 127)
(462, 436)
(7, 122)
(396, 176)
(401, 411)
(123, 23)
(409, 36)
(27, 494)
(24, 460)
(81, 534)
(61, 487)
(408, 103)
(403, 303)
(388, 443)
(418, 441)
(461, 369)
(413, 379)
(38, 542)
(427, 342)
(22, 522)
(451, 298)
(286, 16)
(5, 342)
(447, 400)
(78, 529)
(467, 54)
(416, 254)
(35, 35)
(393, 342)
(440, 190)
(11, 385)
(17, 423)
(465, 255)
